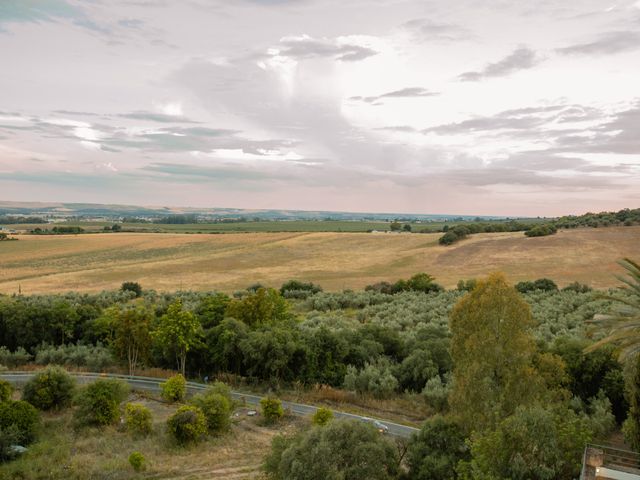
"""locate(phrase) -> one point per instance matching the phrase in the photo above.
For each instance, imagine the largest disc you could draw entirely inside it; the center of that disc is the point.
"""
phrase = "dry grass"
(336, 261)
(65, 454)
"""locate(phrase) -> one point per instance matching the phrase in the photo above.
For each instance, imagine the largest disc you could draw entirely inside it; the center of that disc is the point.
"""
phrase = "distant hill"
(88, 210)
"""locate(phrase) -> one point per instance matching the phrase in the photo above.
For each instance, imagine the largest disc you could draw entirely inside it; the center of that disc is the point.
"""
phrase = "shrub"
(14, 359)
(96, 358)
(20, 419)
(174, 389)
(271, 409)
(137, 461)
(216, 409)
(138, 419)
(98, 403)
(544, 284)
(436, 393)
(541, 230)
(187, 425)
(6, 390)
(9, 437)
(375, 378)
(322, 416)
(131, 286)
(51, 388)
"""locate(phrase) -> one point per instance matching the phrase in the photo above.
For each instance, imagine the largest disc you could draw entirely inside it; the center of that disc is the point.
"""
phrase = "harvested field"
(40, 264)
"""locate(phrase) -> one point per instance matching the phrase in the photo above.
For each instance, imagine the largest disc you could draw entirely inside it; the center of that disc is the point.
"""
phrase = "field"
(38, 264)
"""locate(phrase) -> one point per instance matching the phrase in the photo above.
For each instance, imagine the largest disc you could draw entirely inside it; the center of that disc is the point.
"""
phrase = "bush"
(541, 230)
(544, 284)
(376, 379)
(271, 409)
(138, 419)
(14, 359)
(216, 409)
(131, 286)
(51, 388)
(96, 358)
(20, 419)
(322, 416)
(137, 461)
(9, 437)
(99, 402)
(187, 425)
(436, 393)
(434, 452)
(298, 289)
(6, 390)
(174, 389)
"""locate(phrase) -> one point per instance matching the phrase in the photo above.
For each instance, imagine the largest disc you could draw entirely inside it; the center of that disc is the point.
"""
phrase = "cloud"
(409, 92)
(156, 117)
(305, 47)
(520, 59)
(425, 29)
(607, 44)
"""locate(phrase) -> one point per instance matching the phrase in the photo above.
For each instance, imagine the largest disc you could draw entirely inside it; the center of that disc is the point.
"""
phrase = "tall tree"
(492, 350)
(178, 332)
(132, 334)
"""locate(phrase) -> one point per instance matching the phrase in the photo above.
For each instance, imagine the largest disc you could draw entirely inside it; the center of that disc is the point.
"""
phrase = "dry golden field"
(336, 261)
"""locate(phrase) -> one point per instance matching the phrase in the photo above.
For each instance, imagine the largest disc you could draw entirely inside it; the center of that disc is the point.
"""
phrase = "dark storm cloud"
(520, 59)
(607, 44)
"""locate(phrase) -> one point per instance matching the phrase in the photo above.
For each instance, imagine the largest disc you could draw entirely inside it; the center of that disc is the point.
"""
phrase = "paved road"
(153, 385)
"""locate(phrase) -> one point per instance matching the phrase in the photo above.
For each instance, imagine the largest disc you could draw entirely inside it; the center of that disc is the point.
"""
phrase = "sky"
(478, 107)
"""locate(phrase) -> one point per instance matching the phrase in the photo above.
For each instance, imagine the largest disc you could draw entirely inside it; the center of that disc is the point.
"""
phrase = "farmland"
(170, 261)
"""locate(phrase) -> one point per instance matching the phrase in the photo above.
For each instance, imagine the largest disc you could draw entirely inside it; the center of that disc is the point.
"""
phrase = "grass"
(67, 454)
(43, 264)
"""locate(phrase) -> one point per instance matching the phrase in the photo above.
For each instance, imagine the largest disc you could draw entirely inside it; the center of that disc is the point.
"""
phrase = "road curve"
(153, 385)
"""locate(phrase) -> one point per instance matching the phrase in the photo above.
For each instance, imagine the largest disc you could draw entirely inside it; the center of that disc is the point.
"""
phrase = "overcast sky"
(465, 106)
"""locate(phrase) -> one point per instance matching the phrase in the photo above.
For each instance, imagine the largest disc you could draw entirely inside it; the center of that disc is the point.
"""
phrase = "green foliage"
(174, 389)
(137, 461)
(216, 408)
(436, 393)
(395, 226)
(322, 416)
(95, 357)
(492, 350)
(131, 338)
(187, 425)
(129, 286)
(544, 284)
(138, 419)
(51, 388)
(178, 332)
(99, 402)
(435, 451)
(6, 391)
(631, 426)
(298, 289)
(9, 437)
(272, 410)
(20, 419)
(211, 309)
(591, 373)
(14, 359)
(376, 379)
(265, 306)
(533, 443)
(341, 450)
(577, 287)
(467, 285)
(621, 325)
(541, 230)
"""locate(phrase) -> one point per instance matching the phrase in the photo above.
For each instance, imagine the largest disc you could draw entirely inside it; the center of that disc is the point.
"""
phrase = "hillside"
(336, 261)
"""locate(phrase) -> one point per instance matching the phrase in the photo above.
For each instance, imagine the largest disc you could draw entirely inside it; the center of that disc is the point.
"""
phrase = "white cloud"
(173, 109)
